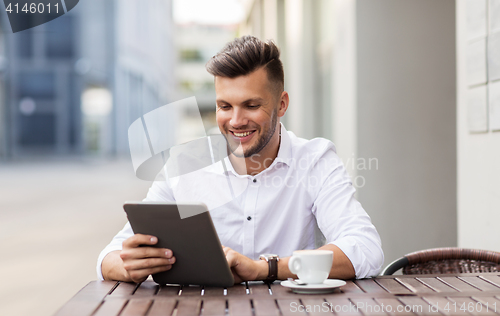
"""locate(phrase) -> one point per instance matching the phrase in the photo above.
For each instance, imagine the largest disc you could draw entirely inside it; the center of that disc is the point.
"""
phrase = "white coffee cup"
(311, 266)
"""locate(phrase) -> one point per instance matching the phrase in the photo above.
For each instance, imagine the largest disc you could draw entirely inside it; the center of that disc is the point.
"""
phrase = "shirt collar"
(285, 151)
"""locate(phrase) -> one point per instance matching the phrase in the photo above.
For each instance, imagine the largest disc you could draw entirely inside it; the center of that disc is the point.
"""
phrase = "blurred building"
(378, 77)
(413, 86)
(3, 97)
(195, 45)
(74, 84)
(478, 123)
(144, 61)
(305, 33)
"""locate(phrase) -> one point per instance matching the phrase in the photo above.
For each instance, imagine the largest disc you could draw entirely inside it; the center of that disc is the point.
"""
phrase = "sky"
(208, 12)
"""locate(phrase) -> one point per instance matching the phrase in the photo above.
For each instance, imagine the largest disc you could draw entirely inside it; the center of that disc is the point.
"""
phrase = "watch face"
(268, 256)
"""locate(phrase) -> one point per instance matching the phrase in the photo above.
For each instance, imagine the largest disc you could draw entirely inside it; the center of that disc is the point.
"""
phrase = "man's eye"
(224, 107)
(253, 106)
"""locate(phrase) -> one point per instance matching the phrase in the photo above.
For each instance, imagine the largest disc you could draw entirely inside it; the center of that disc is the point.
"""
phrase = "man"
(294, 187)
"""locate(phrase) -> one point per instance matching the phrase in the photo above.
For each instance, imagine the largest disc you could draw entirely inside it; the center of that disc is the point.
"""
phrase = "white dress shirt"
(280, 209)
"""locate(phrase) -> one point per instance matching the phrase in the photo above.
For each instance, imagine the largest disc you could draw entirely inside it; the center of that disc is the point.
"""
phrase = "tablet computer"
(200, 259)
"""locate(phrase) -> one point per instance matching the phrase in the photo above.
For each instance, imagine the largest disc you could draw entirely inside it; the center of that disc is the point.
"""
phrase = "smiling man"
(247, 115)
(297, 189)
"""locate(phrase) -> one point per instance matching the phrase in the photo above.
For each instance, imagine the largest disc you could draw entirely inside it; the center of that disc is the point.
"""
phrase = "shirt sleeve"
(159, 191)
(344, 222)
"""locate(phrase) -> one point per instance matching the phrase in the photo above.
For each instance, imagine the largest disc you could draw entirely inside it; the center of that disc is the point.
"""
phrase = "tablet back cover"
(199, 256)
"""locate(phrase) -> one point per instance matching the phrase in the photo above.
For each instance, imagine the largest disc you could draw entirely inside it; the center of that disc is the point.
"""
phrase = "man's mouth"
(242, 134)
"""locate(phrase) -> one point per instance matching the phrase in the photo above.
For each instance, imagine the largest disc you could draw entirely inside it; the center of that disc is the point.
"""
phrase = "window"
(37, 85)
(59, 38)
(37, 129)
(24, 43)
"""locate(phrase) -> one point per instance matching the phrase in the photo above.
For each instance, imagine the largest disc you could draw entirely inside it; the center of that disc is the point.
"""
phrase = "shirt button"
(249, 218)
(254, 180)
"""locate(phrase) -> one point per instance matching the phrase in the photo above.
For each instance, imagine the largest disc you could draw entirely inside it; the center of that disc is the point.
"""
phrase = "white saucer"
(326, 287)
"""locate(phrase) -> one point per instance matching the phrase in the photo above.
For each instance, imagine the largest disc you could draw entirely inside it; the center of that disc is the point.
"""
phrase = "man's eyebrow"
(244, 102)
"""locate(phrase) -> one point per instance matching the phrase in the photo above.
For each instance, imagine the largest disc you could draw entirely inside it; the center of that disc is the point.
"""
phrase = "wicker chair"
(446, 260)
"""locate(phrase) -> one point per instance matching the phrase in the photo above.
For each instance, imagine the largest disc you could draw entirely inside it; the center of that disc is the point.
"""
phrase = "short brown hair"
(246, 54)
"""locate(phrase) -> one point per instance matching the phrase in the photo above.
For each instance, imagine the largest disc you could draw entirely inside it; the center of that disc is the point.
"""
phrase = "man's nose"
(238, 119)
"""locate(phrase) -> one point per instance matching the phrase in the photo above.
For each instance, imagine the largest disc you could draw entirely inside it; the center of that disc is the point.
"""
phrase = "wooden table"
(450, 294)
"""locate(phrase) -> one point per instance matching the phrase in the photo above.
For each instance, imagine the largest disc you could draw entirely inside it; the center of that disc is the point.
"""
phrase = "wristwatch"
(272, 260)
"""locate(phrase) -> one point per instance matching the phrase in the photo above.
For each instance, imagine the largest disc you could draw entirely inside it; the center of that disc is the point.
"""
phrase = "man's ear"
(283, 106)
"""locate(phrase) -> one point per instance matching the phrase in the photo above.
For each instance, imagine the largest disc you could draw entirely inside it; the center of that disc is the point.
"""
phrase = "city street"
(56, 215)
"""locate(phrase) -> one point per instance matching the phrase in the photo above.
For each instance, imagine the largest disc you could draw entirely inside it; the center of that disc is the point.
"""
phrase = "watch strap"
(272, 262)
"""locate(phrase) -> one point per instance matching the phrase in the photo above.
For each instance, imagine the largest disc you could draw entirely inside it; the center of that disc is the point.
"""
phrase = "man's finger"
(232, 259)
(145, 252)
(139, 239)
(149, 263)
(140, 275)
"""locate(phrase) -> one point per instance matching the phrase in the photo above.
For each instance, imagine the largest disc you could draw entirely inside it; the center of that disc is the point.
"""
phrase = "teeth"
(242, 134)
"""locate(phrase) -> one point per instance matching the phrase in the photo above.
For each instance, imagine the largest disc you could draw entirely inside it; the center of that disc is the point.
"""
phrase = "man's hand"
(244, 268)
(140, 262)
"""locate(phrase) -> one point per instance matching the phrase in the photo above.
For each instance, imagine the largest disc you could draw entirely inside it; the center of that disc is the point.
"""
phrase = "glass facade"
(59, 38)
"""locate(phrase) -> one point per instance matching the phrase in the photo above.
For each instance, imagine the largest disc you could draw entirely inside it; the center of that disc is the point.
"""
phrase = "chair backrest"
(446, 260)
